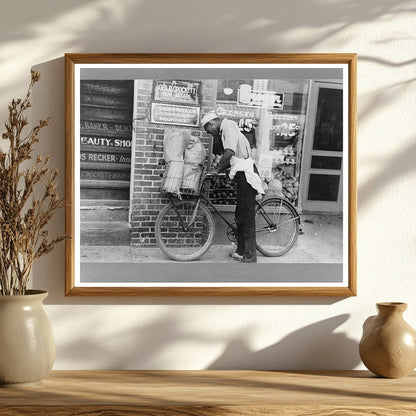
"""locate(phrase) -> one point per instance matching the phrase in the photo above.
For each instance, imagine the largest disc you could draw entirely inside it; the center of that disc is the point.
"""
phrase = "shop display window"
(286, 132)
(326, 162)
(323, 187)
(274, 131)
(328, 126)
(227, 89)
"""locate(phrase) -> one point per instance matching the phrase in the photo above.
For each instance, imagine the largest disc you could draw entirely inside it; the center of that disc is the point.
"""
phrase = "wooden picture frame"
(104, 161)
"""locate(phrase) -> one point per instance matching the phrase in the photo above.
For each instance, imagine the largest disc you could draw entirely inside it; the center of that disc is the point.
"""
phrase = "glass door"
(322, 186)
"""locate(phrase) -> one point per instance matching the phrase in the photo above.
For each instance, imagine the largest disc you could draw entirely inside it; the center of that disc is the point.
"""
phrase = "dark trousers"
(244, 215)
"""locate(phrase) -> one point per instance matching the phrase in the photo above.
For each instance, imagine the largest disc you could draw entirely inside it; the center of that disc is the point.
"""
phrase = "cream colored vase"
(27, 347)
(388, 345)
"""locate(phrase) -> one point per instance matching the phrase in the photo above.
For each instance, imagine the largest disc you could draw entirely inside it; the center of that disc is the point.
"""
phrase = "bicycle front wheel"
(277, 227)
(184, 232)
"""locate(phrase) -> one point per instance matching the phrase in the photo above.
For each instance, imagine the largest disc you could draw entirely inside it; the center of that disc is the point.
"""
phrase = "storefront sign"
(103, 100)
(182, 92)
(106, 114)
(108, 127)
(285, 124)
(245, 119)
(105, 142)
(105, 157)
(259, 99)
(235, 113)
(105, 175)
(175, 114)
(227, 89)
(102, 87)
(284, 131)
(265, 166)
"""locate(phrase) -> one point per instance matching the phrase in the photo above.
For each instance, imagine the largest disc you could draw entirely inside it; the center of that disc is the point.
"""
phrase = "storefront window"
(288, 124)
(230, 106)
(326, 162)
(271, 113)
(328, 127)
(323, 187)
(227, 89)
(286, 134)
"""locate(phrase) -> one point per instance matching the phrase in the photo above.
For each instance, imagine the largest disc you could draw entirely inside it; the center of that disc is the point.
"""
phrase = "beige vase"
(388, 345)
(27, 347)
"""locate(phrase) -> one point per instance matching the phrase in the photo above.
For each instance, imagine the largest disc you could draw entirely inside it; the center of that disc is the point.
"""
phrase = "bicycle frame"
(202, 197)
(186, 210)
(198, 199)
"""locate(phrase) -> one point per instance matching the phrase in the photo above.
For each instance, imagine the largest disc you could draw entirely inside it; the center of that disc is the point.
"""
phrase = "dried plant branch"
(24, 217)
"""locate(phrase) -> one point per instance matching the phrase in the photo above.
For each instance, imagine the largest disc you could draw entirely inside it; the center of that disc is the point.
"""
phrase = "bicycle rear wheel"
(183, 233)
(277, 227)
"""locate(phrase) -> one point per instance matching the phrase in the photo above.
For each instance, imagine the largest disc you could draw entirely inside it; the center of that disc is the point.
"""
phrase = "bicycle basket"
(192, 174)
(182, 178)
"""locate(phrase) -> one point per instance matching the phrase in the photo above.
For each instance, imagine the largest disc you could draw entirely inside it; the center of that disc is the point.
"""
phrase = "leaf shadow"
(316, 346)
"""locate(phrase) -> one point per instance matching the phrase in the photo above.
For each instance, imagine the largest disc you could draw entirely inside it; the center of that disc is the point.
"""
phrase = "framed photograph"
(211, 174)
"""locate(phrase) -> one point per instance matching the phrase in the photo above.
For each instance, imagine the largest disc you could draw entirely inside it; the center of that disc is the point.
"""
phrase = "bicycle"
(184, 228)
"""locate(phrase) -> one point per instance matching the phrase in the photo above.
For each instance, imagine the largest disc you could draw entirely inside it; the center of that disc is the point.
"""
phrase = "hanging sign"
(232, 112)
(284, 129)
(175, 114)
(260, 99)
(105, 142)
(285, 124)
(265, 166)
(95, 157)
(181, 92)
(105, 175)
(107, 128)
(245, 118)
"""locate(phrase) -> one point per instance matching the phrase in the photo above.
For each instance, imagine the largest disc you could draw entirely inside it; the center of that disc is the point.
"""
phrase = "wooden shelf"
(203, 393)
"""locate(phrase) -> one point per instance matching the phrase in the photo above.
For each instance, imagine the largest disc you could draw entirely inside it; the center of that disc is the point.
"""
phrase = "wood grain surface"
(203, 393)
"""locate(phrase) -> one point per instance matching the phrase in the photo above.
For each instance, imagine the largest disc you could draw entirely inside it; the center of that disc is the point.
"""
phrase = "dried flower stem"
(23, 217)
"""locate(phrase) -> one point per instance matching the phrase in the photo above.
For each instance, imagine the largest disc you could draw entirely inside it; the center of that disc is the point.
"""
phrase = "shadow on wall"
(151, 23)
(49, 271)
(395, 168)
(31, 34)
(49, 100)
(142, 347)
(314, 347)
(152, 345)
(249, 23)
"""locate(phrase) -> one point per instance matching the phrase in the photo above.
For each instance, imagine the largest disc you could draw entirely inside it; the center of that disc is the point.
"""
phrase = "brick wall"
(146, 200)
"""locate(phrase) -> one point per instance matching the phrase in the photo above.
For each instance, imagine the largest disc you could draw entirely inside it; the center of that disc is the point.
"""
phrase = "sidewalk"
(321, 242)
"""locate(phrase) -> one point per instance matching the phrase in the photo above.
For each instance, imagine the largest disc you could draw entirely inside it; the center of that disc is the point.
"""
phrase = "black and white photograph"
(211, 175)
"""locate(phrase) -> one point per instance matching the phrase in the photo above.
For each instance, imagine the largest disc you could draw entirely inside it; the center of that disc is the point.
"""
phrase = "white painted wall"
(197, 333)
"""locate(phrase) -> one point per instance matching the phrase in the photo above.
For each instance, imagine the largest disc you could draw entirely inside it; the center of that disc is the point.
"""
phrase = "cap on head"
(208, 117)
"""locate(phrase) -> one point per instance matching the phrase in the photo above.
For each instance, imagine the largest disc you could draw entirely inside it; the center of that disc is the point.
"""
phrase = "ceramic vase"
(388, 345)
(27, 347)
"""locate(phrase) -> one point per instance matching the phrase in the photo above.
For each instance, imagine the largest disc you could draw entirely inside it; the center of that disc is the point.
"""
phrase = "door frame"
(308, 152)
